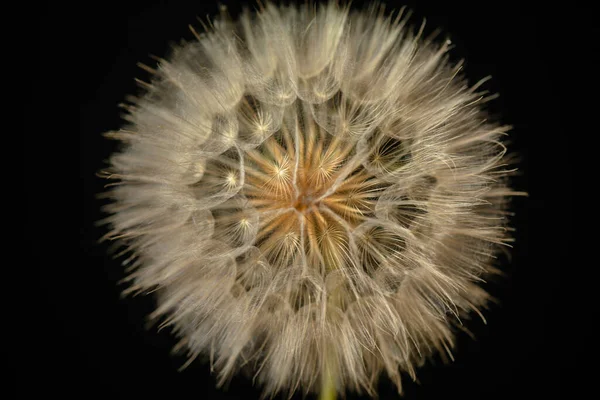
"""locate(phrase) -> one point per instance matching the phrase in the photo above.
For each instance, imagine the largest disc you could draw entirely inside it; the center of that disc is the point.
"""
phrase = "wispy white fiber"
(311, 191)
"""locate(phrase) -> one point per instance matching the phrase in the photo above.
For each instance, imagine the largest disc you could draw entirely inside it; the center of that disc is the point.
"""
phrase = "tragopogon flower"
(314, 194)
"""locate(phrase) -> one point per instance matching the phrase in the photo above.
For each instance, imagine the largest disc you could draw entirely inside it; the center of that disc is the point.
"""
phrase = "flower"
(313, 193)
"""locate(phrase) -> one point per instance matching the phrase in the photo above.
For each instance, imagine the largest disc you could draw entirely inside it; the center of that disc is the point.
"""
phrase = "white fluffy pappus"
(314, 194)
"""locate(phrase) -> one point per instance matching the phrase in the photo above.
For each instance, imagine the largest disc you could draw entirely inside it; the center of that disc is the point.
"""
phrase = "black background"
(87, 341)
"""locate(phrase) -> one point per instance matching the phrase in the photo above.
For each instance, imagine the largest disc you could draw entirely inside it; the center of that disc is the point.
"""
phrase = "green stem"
(328, 391)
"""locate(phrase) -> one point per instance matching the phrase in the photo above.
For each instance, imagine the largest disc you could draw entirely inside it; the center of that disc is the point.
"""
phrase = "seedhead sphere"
(314, 194)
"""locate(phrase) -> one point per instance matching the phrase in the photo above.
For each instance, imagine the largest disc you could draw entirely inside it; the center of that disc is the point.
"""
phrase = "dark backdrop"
(88, 342)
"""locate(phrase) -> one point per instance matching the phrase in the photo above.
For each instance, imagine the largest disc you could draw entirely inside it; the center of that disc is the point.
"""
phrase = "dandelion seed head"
(311, 191)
